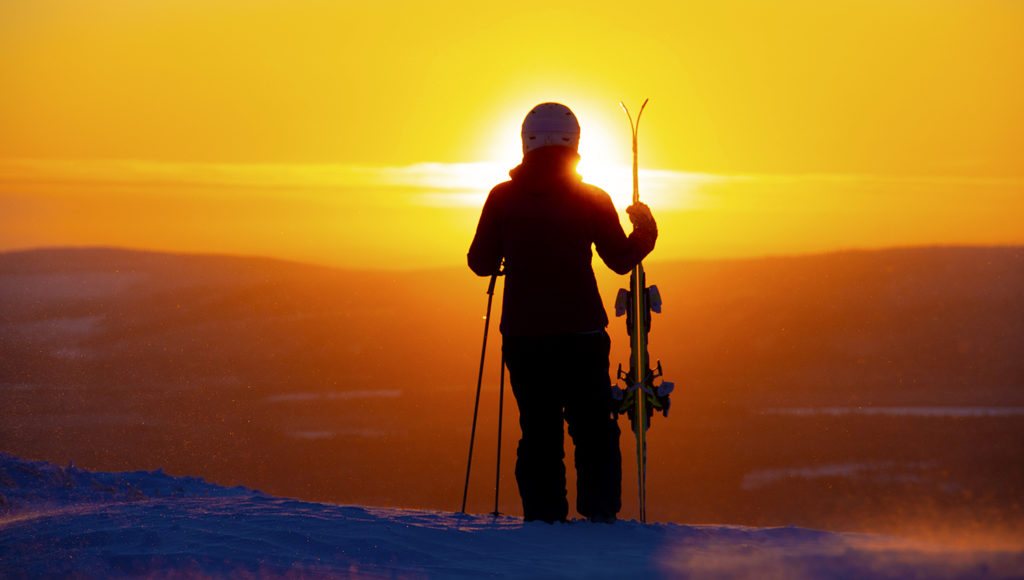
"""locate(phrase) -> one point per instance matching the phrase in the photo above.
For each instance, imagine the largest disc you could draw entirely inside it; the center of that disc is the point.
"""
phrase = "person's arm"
(619, 252)
(484, 255)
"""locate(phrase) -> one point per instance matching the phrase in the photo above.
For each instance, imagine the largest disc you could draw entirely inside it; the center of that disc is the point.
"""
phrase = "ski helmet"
(550, 124)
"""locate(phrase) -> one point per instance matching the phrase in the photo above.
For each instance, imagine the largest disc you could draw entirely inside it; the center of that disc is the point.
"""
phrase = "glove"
(645, 231)
(642, 220)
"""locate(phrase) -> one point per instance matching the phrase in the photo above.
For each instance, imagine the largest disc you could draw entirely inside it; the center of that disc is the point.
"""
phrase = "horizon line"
(412, 270)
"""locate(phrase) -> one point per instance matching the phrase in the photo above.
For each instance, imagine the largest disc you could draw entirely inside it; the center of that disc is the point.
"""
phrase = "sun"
(601, 164)
(605, 153)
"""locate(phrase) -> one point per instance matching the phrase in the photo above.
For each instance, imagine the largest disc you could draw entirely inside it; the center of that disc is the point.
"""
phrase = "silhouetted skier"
(543, 223)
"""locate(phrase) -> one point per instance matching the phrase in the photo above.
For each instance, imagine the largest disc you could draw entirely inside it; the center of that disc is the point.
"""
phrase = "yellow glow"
(605, 154)
(601, 163)
(423, 215)
(311, 128)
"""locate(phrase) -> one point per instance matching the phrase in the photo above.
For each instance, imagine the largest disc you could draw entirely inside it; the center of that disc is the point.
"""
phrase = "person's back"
(542, 223)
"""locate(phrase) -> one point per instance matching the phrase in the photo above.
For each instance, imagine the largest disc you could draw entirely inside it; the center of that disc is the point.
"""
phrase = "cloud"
(425, 212)
(432, 184)
(457, 177)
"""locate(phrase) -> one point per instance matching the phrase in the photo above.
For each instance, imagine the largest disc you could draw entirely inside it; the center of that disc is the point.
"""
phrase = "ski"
(641, 397)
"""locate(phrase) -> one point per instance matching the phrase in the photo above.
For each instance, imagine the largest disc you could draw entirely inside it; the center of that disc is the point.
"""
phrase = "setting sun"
(605, 153)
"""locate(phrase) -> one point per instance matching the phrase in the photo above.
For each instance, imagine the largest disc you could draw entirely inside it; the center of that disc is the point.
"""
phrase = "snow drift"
(71, 523)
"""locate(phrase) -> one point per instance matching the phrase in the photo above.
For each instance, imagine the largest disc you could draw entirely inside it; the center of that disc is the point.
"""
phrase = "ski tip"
(641, 112)
(625, 110)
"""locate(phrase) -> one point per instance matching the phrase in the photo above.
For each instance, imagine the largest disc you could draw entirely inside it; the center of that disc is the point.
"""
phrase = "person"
(542, 224)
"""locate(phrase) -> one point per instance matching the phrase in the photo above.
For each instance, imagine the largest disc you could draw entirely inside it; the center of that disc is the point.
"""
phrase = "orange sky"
(364, 134)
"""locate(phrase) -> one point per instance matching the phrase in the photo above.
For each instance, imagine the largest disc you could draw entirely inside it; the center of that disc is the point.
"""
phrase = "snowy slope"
(60, 522)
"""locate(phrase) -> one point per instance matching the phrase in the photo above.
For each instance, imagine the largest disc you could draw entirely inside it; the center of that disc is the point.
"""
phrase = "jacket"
(543, 223)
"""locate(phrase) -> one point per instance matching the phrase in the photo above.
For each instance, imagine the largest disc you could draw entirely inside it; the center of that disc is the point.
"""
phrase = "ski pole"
(501, 414)
(479, 381)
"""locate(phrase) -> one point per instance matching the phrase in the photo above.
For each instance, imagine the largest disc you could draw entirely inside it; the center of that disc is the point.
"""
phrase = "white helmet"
(550, 124)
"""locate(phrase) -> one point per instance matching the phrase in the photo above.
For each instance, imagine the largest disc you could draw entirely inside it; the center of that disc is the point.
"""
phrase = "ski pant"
(555, 377)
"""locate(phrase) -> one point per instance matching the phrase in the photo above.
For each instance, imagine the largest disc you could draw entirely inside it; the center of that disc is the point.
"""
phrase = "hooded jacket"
(543, 223)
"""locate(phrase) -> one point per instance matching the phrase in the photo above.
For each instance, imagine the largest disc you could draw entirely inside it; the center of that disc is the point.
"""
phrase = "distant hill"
(903, 326)
(245, 370)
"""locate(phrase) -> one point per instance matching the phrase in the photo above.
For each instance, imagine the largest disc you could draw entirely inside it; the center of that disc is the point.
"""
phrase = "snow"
(65, 522)
(876, 471)
(335, 395)
(332, 433)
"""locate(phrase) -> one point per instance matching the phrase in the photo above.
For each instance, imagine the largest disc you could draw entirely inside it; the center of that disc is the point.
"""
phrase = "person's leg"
(594, 431)
(540, 470)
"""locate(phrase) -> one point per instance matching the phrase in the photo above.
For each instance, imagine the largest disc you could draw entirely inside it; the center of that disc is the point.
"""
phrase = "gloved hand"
(641, 218)
(644, 227)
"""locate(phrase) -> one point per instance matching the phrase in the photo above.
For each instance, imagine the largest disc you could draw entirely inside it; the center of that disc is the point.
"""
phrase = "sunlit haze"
(366, 134)
(234, 236)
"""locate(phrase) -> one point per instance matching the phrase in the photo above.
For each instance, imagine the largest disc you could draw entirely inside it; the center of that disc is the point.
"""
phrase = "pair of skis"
(641, 397)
